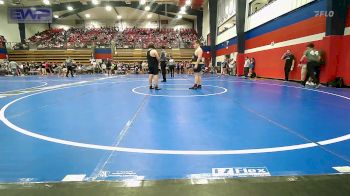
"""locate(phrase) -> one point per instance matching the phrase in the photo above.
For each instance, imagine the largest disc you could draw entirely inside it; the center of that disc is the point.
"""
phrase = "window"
(256, 5)
(230, 23)
(226, 9)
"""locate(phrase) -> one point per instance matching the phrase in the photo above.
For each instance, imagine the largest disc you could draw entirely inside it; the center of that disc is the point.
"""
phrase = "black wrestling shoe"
(157, 88)
(194, 87)
(151, 87)
(199, 87)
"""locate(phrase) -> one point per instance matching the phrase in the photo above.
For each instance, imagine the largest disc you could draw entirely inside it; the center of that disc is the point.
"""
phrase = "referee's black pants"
(163, 68)
(287, 68)
(69, 69)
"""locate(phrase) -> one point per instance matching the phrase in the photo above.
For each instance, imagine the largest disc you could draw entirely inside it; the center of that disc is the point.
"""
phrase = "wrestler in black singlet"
(152, 63)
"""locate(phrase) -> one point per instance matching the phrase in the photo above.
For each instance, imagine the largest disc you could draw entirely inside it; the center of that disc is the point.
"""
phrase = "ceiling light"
(55, 16)
(2, 2)
(188, 2)
(70, 8)
(95, 2)
(179, 16)
(142, 2)
(147, 8)
(182, 12)
(87, 15)
(108, 8)
(119, 17)
(149, 15)
(46, 2)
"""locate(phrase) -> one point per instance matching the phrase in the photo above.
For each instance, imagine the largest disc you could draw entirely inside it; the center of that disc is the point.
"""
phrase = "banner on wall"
(29, 15)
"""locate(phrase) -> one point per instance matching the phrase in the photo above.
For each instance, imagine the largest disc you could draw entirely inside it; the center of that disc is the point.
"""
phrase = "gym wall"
(267, 40)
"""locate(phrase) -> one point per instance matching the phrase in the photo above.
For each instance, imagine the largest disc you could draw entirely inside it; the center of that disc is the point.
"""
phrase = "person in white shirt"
(171, 66)
(246, 67)
(14, 67)
(232, 66)
(144, 67)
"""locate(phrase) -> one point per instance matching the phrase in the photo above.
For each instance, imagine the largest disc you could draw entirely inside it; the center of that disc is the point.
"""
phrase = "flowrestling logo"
(326, 14)
(241, 172)
(29, 15)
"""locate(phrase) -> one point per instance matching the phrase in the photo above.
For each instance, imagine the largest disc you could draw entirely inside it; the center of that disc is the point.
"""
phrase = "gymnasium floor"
(93, 128)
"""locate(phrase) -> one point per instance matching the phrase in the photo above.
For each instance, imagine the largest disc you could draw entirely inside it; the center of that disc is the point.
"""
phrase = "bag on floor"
(253, 75)
(338, 83)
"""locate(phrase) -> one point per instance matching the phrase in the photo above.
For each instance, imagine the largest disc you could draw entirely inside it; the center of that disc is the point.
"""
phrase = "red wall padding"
(270, 65)
(3, 56)
(227, 50)
(344, 65)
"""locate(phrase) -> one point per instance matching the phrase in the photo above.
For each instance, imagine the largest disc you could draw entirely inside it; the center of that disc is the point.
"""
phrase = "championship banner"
(29, 15)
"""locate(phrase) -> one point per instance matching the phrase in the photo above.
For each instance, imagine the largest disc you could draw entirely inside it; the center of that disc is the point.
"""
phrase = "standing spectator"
(103, 67)
(178, 68)
(14, 68)
(224, 66)
(144, 67)
(21, 69)
(232, 66)
(108, 66)
(43, 69)
(246, 67)
(182, 67)
(289, 59)
(26, 68)
(303, 66)
(94, 65)
(47, 68)
(313, 58)
(189, 68)
(252, 73)
(320, 63)
(163, 61)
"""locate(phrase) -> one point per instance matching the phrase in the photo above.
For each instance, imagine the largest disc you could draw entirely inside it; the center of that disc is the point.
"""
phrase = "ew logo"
(29, 15)
(240, 172)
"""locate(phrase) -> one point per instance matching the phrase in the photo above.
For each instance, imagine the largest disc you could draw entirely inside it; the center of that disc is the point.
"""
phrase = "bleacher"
(83, 56)
(52, 56)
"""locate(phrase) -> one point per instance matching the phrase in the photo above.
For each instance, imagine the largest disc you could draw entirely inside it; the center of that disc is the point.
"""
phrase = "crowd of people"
(107, 66)
(109, 36)
(51, 38)
(310, 62)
